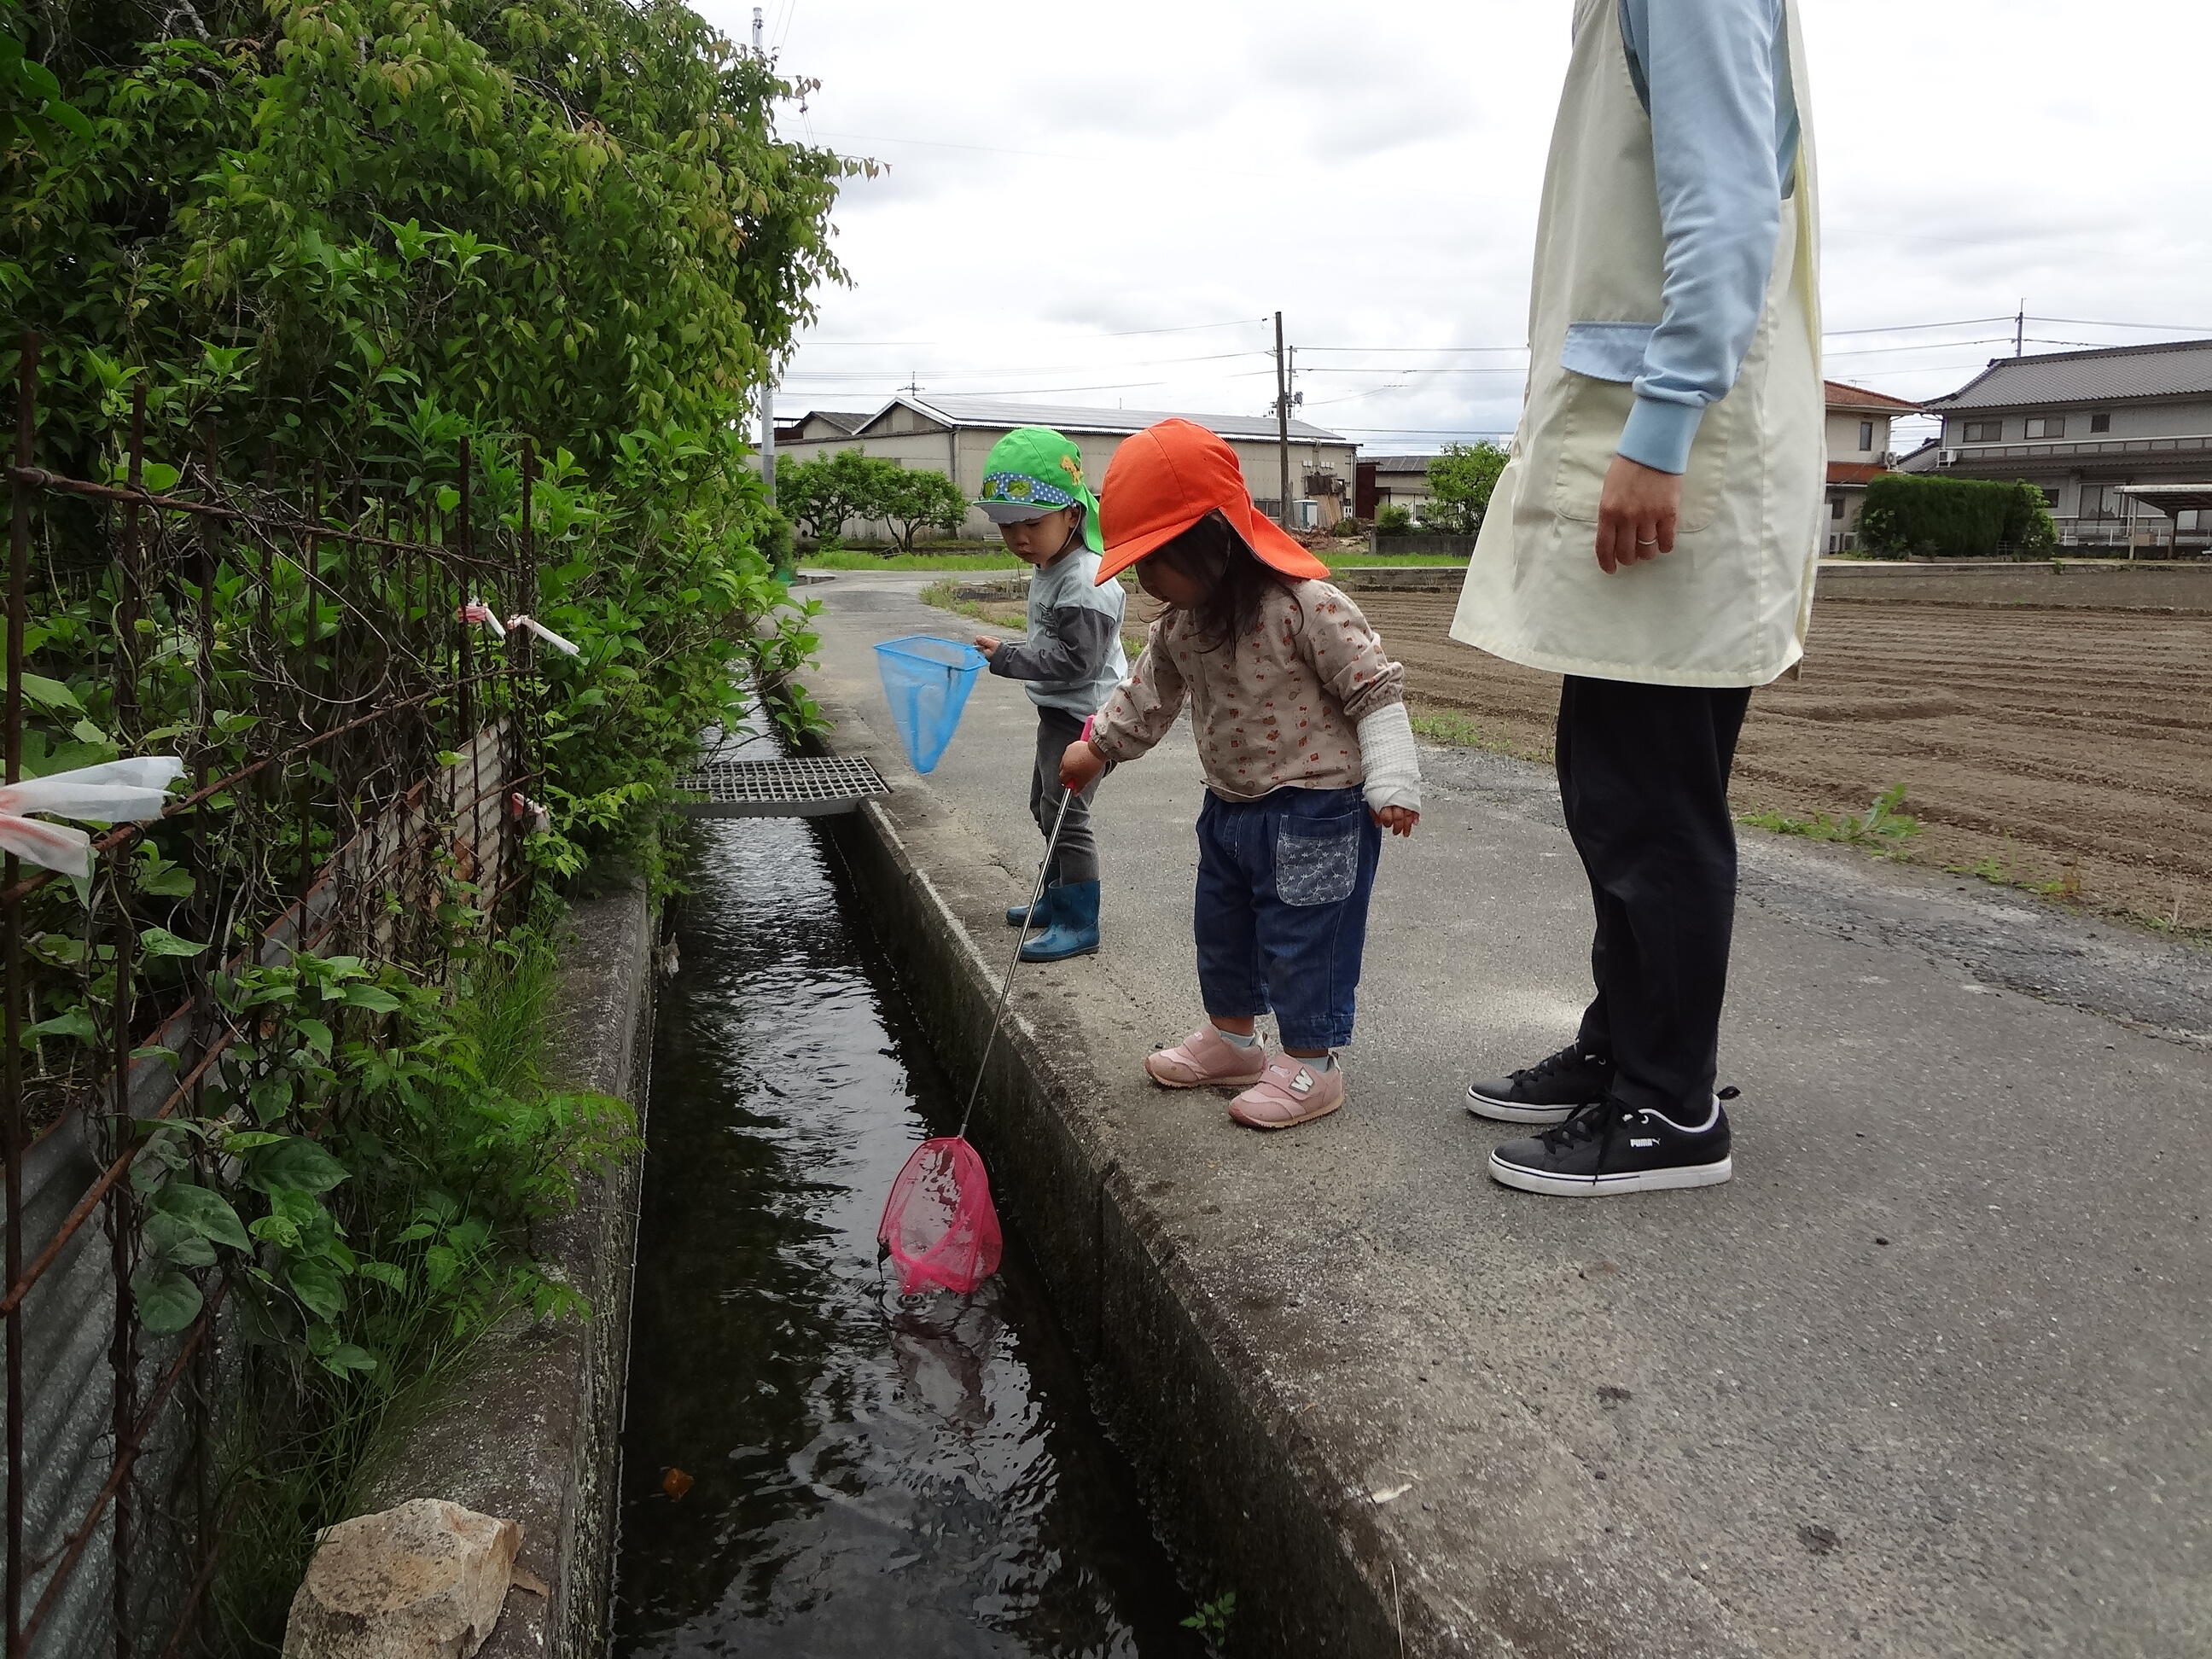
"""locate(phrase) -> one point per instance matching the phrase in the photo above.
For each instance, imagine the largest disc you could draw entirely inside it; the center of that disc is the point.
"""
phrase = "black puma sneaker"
(1611, 1148)
(1550, 1091)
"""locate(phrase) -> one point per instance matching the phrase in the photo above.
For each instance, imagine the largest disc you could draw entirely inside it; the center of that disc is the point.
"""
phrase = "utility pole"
(767, 439)
(1283, 423)
(2020, 330)
(767, 382)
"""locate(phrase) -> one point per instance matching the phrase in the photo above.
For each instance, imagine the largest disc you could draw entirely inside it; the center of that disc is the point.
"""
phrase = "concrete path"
(1928, 1377)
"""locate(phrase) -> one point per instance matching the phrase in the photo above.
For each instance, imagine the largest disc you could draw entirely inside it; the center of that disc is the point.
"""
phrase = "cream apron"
(1730, 605)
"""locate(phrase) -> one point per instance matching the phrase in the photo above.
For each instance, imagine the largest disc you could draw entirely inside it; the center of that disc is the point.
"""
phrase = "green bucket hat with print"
(1034, 470)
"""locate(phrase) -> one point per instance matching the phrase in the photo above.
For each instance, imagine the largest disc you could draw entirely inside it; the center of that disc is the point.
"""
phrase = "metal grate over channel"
(799, 787)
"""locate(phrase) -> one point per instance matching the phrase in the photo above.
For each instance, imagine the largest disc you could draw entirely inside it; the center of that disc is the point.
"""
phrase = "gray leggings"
(1077, 858)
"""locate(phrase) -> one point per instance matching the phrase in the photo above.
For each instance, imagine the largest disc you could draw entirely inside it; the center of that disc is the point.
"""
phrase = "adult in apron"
(1653, 538)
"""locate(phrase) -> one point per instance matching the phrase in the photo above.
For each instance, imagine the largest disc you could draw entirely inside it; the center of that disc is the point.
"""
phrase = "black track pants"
(1644, 774)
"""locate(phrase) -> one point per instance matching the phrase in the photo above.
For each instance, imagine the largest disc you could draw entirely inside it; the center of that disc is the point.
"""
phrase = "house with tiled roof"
(952, 434)
(1860, 449)
(2118, 438)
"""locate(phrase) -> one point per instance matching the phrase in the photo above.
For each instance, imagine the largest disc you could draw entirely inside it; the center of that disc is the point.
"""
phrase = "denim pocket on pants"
(1317, 860)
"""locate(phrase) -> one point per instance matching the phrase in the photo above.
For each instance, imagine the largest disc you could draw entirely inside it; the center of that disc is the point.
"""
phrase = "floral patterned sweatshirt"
(1283, 708)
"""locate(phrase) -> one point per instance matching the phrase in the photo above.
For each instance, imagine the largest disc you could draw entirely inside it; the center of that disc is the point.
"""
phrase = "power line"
(1106, 334)
(2165, 328)
(1035, 155)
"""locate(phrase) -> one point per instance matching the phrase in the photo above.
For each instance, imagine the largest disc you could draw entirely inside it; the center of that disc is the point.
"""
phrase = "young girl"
(1301, 725)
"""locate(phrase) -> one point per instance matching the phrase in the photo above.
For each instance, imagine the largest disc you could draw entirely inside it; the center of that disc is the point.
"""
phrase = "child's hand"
(989, 644)
(1080, 767)
(1398, 820)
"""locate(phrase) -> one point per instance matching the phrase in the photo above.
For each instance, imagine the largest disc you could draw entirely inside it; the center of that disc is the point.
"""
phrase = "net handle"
(1006, 985)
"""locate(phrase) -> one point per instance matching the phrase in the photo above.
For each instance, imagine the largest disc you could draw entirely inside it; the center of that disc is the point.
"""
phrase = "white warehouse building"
(954, 435)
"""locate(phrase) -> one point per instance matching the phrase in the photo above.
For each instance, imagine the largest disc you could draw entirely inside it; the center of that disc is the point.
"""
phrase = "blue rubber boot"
(1021, 915)
(1074, 929)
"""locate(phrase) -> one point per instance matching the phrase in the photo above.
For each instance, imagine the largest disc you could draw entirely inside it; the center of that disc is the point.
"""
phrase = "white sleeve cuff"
(1393, 767)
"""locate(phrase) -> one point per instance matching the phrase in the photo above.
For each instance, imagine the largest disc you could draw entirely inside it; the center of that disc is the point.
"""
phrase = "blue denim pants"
(1281, 912)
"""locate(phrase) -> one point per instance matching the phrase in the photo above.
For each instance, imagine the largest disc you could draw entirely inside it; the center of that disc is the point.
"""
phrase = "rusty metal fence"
(355, 755)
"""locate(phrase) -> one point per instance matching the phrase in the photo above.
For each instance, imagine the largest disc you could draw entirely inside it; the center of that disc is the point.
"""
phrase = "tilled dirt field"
(2065, 749)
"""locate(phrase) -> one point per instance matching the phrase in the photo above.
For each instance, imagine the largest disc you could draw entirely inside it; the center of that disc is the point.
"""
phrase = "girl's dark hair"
(1214, 556)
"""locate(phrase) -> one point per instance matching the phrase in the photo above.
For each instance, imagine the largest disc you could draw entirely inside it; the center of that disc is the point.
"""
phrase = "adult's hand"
(989, 644)
(1636, 514)
(1079, 766)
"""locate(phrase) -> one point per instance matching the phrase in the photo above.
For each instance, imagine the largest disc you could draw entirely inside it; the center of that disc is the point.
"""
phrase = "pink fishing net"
(939, 1224)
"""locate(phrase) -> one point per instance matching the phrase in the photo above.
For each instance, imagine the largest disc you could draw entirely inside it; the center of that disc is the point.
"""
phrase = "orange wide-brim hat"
(1168, 478)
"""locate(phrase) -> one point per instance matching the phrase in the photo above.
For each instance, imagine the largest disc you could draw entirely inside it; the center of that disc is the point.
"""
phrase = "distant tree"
(824, 491)
(1394, 520)
(1460, 482)
(920, 498)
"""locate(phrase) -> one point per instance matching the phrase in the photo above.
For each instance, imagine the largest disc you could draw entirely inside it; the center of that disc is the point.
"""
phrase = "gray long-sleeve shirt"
(1715, 76)
(1072, 658)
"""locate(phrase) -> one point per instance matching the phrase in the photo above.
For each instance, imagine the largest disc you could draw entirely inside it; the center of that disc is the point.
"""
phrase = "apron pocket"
(1317, 860)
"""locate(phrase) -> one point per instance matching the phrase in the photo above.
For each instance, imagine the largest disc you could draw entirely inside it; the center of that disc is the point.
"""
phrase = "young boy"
(1033, 490)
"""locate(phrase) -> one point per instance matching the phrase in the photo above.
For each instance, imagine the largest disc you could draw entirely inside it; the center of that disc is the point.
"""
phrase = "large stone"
(423, 1581)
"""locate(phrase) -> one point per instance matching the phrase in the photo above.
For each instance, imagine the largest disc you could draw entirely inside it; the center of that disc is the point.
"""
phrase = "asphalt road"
(1928, 1377)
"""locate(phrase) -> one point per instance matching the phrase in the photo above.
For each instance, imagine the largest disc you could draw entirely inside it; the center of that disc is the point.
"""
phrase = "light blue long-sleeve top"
(1714, 75)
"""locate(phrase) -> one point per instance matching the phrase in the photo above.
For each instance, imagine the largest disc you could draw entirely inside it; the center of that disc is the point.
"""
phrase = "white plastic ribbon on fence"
(547, 635)
(116, 792)
(522, 808)
(476, 610)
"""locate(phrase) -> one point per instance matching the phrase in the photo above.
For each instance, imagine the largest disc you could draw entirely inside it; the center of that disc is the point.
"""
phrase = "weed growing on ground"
(383, 1250)
(1211, 1619)
(1456, 729)
(1884, 827)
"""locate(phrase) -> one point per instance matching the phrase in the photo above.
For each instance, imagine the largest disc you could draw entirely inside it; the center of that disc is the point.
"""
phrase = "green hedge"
(1911, 514)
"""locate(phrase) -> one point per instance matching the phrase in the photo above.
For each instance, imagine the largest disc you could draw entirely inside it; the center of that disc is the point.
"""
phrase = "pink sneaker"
(1289, 1093)
(1205, 1060)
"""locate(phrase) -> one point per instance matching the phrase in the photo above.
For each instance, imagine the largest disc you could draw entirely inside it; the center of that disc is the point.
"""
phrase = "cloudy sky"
(1101, 204)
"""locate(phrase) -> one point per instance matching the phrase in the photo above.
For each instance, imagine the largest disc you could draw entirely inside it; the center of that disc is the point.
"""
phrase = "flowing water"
(868, 1475)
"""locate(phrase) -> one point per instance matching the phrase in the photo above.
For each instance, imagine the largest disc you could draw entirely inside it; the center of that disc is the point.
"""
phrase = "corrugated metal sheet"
(1068, 417)
(2176, 369)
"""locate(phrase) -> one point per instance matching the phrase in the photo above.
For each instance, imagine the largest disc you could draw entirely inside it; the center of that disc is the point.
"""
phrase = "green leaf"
(171, 1240)
(438, 1265)
(295, 1163)
(51, 693)
(317, 1036)
(371, 996)
(167, 1300)
(158, 478)
(76, 1023)
(319, 1287)
(281, 1231)
(160, 942)
(271, 1099)
(206, 1213)
(385, 1273)
(345, 1358)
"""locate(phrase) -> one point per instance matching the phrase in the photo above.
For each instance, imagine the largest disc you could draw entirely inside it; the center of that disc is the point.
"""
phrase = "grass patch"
(1358, 558)
(1885, 826)
(1456, 729)
(1005, 615)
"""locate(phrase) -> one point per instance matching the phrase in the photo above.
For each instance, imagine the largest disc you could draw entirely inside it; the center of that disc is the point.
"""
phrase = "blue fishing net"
(926, 681)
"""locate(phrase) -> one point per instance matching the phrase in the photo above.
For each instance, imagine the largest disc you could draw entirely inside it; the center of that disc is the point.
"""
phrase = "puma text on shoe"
(1551, 1091)
(1610, 1148)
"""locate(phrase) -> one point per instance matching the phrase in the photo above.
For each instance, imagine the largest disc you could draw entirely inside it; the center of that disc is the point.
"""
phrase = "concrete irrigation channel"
(1928, 1378)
